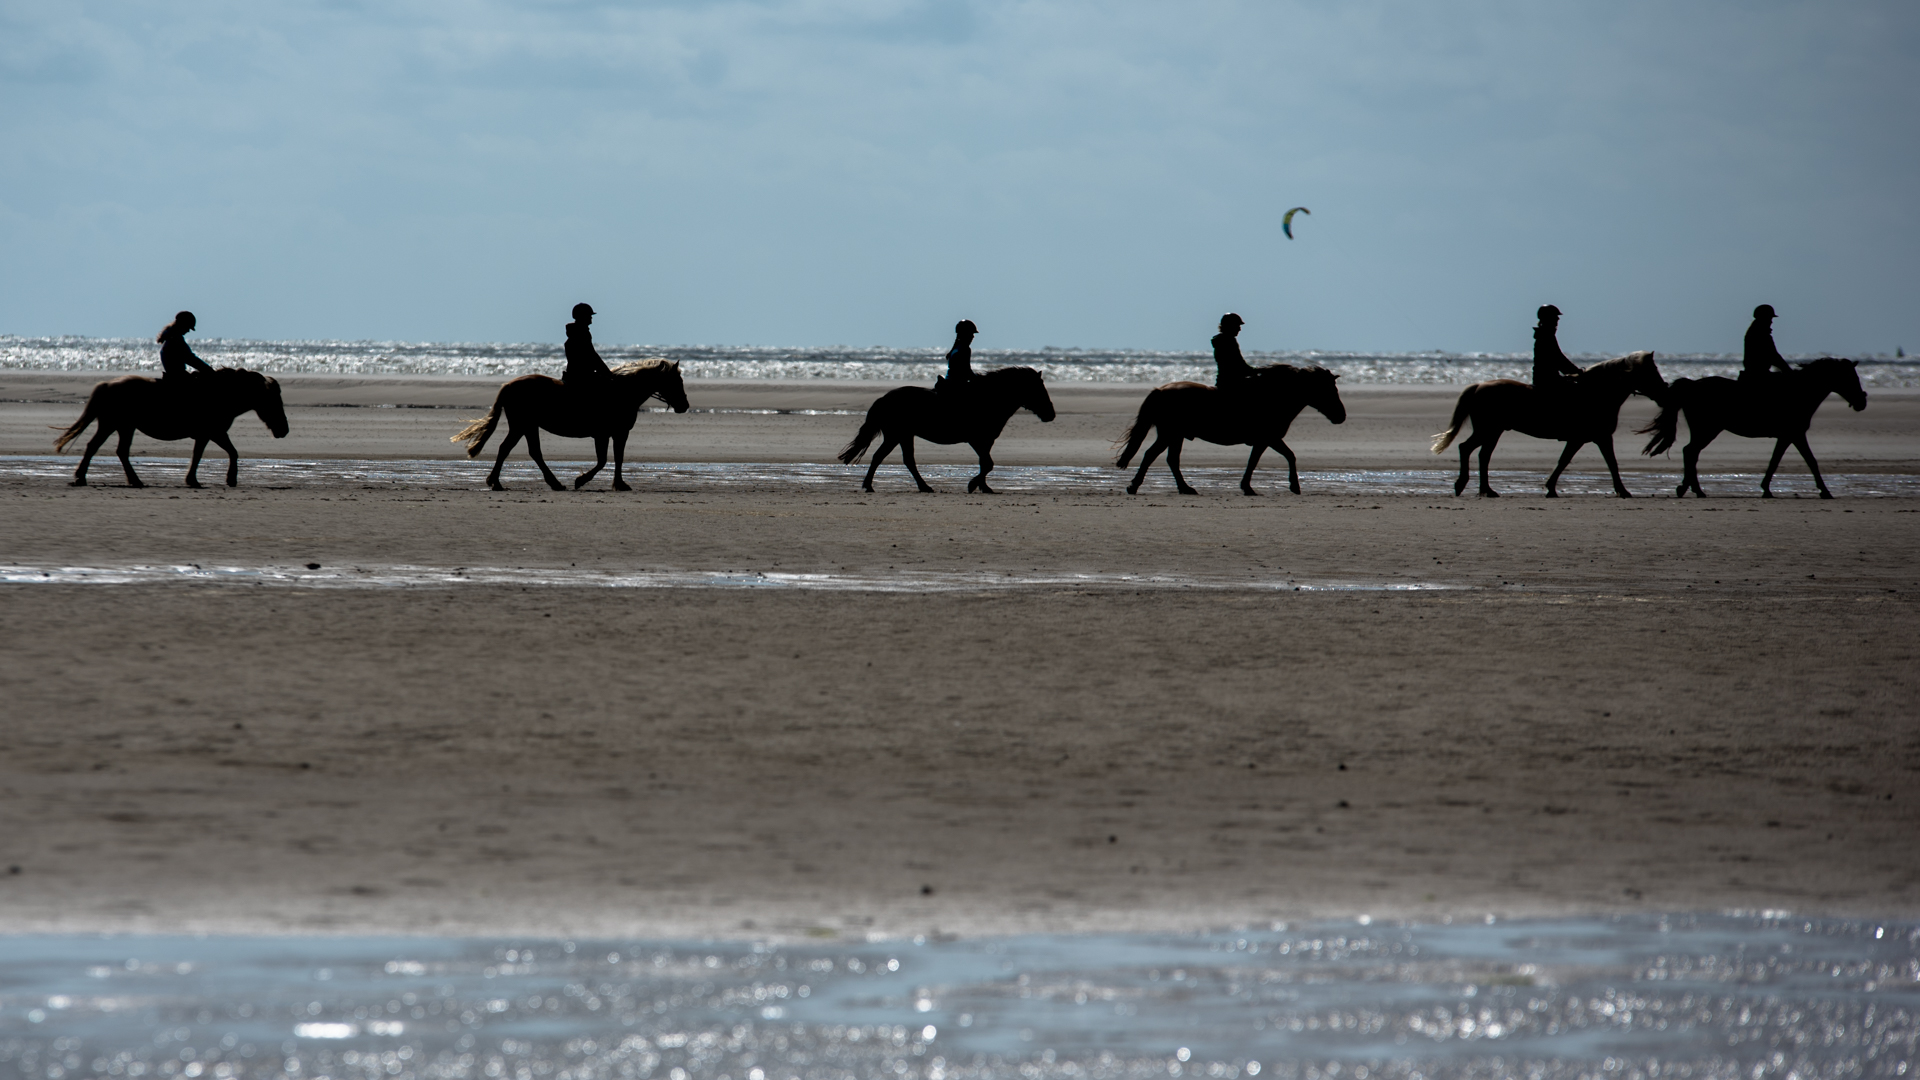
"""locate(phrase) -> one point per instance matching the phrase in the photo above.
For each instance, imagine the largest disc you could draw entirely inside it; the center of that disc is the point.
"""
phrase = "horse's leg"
(1766, 482)
(1293, 467)
(1800, 443)
(1467, 446)
(533, 450)
(126, 463)
(1605, 443)
(619, 459)
(886, 447)
(193, 467)
(500, 459)
(1486, 455)
(1173, 464)
(600, 462)
(1253, 462)
(906, 455)
(1697, 439)
(225, 442)
(93, 446)
(1159, 444)
(1566, 458)
(986, 466)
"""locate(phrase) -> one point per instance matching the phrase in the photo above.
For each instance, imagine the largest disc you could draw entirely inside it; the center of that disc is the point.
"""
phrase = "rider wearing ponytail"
(176, 359)
(1551, 368)
(1761, 355)
(1226, 350)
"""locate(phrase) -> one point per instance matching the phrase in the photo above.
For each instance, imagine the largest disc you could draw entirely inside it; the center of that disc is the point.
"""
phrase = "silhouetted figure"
(532, 402)
(585, 369)
(1226, 351)
(1778, 407)
(899, 416)
(136, 403)
(1551, 368)
(959, 358)
(177, 361)
(1500, 405)
(1760, 355)
(1257, 413)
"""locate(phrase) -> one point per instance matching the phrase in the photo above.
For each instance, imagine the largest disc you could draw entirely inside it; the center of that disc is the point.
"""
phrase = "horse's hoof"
(925, 490)
(1189, 491)
(1624, 493)
(76, 483)
(1133, 489)
(622, 485)
(233, 483)
(1766, 494)
(1248, 491)
(1489, 493)
(579, 482)
(1552, 494)
(985, 490)
(1295, 488)
(1825, 494)
(194, 484)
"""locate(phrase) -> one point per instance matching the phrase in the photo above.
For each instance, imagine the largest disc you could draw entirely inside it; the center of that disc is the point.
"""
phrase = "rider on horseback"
(1761, 355)
(1552, 371)
(177, 362)
(959, 359)
(585, 370)
(1226, 351)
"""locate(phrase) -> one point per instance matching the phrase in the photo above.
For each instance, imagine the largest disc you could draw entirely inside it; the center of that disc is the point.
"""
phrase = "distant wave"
(837, 362)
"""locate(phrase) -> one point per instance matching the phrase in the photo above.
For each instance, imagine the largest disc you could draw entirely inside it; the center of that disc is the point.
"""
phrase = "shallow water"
(1748, 996)
(893, 479)
(494, 360)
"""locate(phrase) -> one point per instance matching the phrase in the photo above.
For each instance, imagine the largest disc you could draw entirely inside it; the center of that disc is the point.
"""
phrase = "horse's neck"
(1608, 382)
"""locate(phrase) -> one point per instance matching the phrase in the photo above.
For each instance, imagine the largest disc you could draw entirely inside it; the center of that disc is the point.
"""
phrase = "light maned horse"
(974, 414)
(1586, 412)
(532, 403)
(1773, 406)
(198, 407)
(1256, 411)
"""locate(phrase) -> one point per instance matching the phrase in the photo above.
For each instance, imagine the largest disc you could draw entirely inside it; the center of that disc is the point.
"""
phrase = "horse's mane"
(1619, 365)
(1281, 373)
(1007, 371)
(1822, 363)
(634, 367)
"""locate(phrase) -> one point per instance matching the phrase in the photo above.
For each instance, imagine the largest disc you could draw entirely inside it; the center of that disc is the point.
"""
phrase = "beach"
(781, 709)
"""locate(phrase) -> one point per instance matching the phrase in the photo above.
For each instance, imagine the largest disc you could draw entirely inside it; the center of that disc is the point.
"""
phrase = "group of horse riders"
(1247, 406)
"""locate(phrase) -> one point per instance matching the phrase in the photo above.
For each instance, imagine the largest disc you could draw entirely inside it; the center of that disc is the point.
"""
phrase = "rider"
(1761, 355)
(1551, 368)
(1226, 351)
(960, 357)
(177, 362)
(585, 369)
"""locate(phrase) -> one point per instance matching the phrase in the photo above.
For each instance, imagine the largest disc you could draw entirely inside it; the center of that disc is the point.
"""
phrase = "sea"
(838, 362)
(1751, 996)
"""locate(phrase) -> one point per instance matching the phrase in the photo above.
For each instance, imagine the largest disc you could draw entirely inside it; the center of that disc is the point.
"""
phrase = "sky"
(1101, 174)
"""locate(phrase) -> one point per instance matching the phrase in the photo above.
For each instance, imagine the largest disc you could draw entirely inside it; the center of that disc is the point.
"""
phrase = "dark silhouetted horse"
(1255, 410)
(973, 413)
(535, 402)
(198, 407)
(1586, 411)
(1771, 406)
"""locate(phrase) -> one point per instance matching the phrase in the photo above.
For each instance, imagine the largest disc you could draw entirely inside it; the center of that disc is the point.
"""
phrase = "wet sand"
(1646, 705)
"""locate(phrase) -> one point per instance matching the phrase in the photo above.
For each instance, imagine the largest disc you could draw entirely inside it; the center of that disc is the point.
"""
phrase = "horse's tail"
(1136, 433)
(1665, 428)
(1460, 410)
(87, 416)
(857, 449)
(477, 432)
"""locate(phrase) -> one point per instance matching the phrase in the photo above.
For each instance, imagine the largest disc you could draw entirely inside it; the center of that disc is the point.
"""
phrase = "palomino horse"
(198, 407)
(1256, 411)
(973, 414)
(1586, 412)
(1778, 407)
(533, 402)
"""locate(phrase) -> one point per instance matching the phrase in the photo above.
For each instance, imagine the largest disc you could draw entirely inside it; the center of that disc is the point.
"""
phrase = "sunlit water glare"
(1748, 996)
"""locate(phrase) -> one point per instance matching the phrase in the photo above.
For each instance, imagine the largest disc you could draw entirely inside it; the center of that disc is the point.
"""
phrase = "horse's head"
(1645, 378)
(1028, 390)
(1323, 394)
(1842, 377)
(671, 390)
(252, 390)
(657, 378)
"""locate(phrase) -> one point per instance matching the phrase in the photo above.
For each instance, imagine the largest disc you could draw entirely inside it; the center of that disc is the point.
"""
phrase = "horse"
(534, 402)
(1586, 412)
(198, 407)
(1777, 406)
(1255, 411)
(973, 413)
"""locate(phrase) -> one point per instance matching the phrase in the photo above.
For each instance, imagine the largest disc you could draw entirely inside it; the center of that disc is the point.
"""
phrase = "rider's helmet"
(1764, 311)
(1230, 319)
(580, 310)
(1548, 313)
(965, 326)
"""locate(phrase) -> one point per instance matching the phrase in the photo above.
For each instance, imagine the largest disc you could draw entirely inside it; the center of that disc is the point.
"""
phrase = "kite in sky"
(1286, 223)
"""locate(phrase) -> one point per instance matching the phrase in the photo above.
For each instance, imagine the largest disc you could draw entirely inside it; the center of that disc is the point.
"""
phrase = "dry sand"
(1646, 705)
